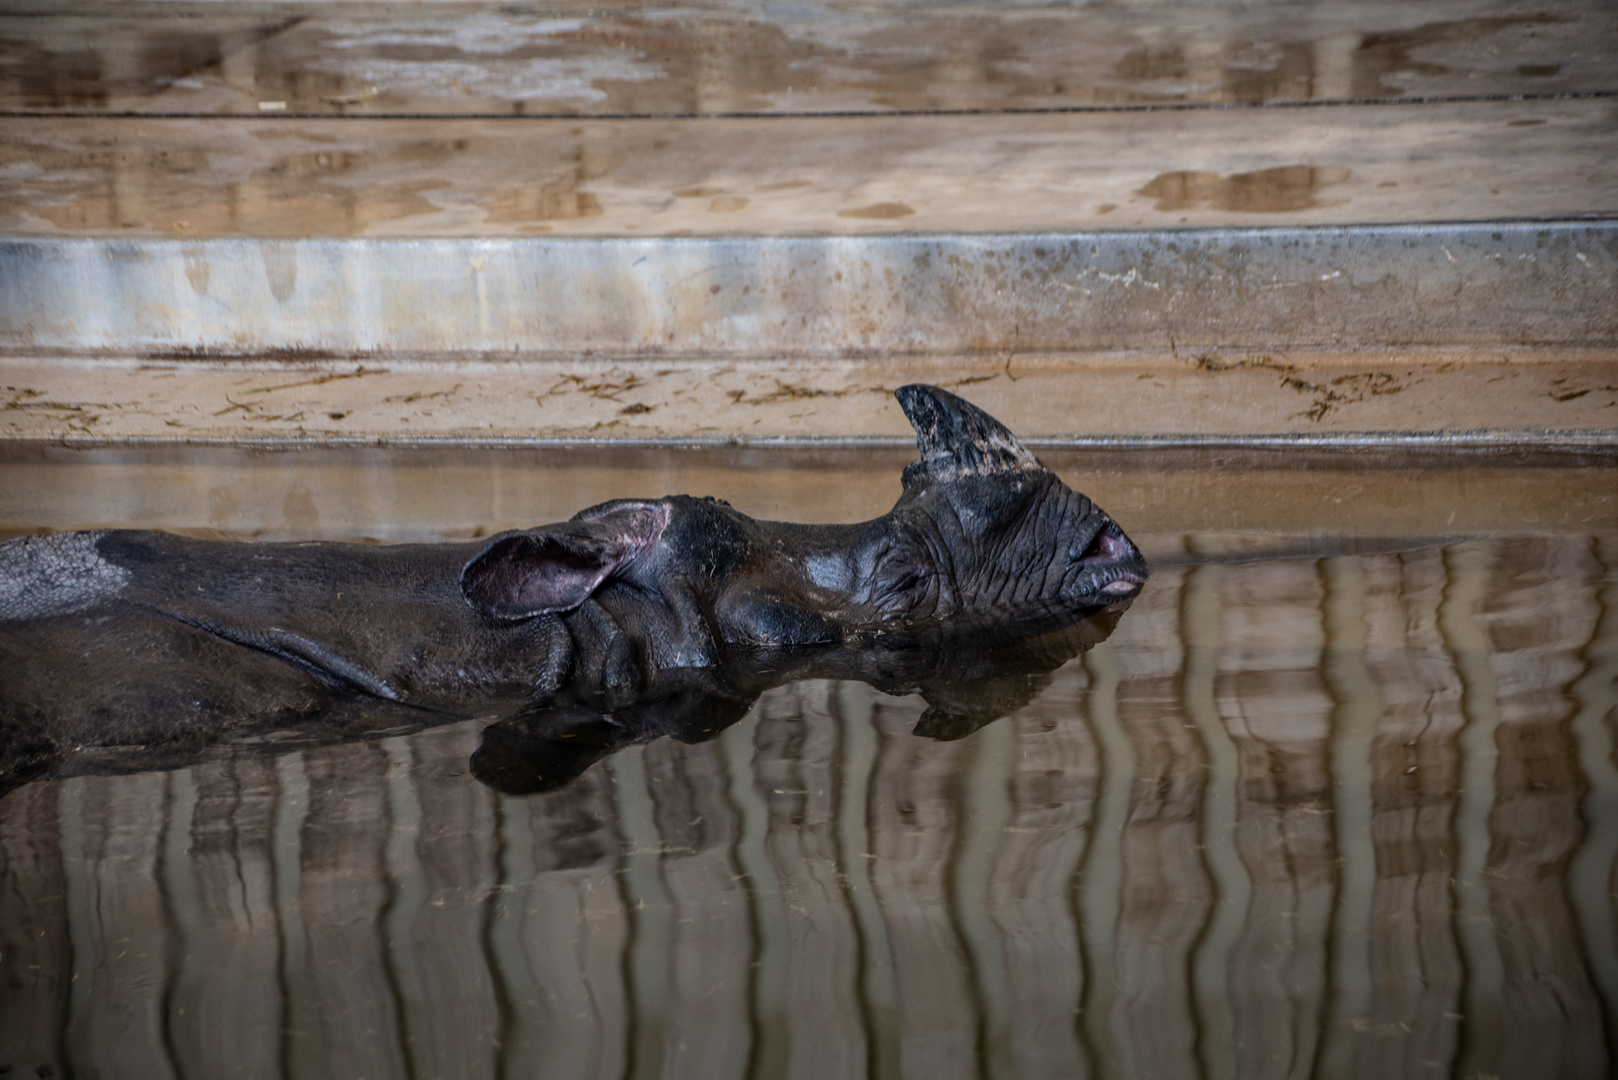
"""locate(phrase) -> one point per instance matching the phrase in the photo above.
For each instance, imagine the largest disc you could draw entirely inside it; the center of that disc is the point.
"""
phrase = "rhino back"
(145, 643)
(41, 576)
(388, 620)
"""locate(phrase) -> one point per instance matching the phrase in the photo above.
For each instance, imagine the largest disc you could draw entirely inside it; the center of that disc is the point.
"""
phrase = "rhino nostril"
(1106, 547)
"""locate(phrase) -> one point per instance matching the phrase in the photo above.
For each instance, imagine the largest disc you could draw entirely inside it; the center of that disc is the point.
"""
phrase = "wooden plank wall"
(219, 162)
(724, 119)
(1356, 816)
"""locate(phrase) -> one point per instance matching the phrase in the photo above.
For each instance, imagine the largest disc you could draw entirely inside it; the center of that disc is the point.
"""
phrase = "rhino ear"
(554, 569)
(956, 438)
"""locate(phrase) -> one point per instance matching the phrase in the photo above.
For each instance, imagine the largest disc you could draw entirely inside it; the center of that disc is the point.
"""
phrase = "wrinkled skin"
(131, 649)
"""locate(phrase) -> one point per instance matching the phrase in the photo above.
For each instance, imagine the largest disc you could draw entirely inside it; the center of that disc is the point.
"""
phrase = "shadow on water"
(1352, 815)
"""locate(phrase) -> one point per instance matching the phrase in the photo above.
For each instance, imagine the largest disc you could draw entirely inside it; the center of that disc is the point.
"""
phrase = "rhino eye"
(906, 584)
(910, 580)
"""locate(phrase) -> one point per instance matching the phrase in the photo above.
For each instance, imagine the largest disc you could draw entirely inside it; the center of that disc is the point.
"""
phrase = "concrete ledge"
(1485, 284)
(1358, 397)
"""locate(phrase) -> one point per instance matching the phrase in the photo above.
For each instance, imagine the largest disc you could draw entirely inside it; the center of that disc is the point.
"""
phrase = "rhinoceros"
(135, 649)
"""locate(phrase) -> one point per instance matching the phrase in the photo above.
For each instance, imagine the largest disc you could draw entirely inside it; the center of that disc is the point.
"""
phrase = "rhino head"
(983, 535)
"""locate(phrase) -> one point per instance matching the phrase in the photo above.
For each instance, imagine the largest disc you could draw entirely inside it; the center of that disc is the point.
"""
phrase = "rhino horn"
(956, 438)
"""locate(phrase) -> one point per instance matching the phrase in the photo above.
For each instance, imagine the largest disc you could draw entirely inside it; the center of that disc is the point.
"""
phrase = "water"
(1351, 815)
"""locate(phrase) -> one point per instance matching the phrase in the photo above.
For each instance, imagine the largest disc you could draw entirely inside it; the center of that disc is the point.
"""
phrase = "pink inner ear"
(555, 569)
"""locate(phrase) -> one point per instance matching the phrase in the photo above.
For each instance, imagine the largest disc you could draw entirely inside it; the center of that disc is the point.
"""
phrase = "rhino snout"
(1111, 567)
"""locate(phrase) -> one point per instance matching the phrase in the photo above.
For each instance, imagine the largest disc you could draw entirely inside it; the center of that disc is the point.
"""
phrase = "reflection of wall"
(35, 953)
(1293, 815)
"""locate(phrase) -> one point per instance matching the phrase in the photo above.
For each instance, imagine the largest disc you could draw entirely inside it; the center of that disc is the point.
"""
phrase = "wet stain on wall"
(1247, 72)
(1268, 191)
(280, 268)
(555, 201)
(883, 211)
(91, 66)
(1386, 58)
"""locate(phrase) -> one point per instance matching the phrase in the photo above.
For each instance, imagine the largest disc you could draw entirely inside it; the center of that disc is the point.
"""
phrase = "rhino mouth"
(1111, 567)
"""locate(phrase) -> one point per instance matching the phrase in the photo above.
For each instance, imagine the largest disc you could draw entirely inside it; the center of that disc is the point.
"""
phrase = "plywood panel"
(574, 59)
(809, 175)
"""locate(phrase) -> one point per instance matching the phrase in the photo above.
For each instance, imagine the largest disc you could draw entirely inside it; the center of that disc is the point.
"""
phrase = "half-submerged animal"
(124, 650)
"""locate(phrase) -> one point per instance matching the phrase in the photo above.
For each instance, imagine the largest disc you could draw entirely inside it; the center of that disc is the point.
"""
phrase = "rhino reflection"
(967, 682)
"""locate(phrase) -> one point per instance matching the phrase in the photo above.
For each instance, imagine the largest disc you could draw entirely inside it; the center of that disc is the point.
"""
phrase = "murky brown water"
(1344, 816)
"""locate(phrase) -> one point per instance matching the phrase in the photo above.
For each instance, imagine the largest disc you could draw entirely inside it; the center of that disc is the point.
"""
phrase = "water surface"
(1350, 815)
